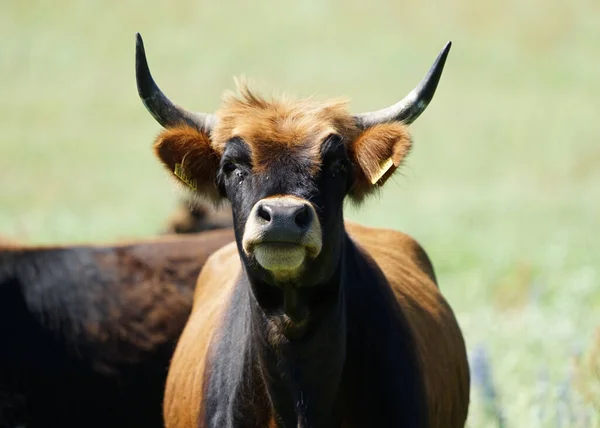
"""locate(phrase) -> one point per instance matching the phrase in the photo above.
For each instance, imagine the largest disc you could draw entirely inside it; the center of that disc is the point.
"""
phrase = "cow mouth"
(279, 257)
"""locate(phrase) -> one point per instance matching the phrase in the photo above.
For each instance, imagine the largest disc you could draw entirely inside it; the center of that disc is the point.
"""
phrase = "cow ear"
(377, 152)
(188, 155)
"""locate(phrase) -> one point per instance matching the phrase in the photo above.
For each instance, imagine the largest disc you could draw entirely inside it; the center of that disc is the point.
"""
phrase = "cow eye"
(228, 167)
(333, 140)
(338, 167)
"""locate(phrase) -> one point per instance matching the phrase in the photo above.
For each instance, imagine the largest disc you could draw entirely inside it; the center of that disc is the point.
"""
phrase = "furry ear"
(377, 152)
(187, 153)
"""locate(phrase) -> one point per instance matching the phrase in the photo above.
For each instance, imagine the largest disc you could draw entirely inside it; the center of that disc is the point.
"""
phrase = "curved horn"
(160, 107)
(415, 103)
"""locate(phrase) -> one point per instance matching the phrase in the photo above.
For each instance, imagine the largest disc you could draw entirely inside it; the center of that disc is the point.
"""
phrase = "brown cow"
(306, 321)
(87, 331)
(192, 217)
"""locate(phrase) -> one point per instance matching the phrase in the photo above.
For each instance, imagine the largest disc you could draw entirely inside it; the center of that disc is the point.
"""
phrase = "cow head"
(286, 167)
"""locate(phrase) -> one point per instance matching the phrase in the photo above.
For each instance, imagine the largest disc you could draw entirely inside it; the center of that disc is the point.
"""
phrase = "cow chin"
(283, 260)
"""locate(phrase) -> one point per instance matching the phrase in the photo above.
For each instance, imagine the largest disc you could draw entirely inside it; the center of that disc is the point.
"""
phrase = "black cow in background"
(87, 331)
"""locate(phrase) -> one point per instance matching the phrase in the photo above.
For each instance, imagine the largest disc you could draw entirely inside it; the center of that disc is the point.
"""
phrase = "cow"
(193, 217)
(87, 331)
(306, 320)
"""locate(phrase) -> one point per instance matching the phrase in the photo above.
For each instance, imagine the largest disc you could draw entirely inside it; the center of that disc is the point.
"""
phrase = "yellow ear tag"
(183, 176)
(384, 167)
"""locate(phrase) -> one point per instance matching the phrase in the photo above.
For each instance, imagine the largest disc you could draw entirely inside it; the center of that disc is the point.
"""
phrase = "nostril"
(303, 217)
(264, 212)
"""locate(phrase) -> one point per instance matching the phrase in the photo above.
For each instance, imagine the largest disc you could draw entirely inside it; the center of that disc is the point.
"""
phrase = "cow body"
(87, 332)
(192, 217)
(307, 321)
(425, 319)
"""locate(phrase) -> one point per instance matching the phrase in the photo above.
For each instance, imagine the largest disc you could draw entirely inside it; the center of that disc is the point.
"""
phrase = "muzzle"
(281, 233)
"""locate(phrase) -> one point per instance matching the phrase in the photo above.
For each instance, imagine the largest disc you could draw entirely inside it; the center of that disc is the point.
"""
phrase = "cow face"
(286, 167)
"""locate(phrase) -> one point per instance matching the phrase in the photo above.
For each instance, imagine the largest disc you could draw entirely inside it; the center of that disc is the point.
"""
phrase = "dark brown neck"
(303, 375)
(272, 370)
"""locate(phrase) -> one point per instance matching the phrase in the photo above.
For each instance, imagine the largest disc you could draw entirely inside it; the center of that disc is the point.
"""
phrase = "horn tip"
(142, 72)
(444, 52)
(139, 42)
(438, 65)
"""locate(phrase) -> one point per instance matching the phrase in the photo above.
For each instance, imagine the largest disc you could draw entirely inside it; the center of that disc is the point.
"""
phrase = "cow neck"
(302, 375)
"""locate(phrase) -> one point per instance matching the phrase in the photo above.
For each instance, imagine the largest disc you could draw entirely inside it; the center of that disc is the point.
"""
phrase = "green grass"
(502, 187)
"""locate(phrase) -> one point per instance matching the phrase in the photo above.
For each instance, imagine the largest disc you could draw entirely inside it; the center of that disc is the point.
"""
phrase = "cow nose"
(281, 231)
(288, 216)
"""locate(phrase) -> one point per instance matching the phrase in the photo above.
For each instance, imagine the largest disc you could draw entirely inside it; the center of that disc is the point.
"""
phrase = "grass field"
(502, 187)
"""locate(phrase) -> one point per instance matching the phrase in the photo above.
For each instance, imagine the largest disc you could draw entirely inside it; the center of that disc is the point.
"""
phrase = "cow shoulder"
(184, 388)
(440, 344)
(390, 246)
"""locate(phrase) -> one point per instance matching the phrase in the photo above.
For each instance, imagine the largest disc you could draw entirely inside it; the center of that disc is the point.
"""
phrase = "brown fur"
(300, 127)
(410, 274)
(192, 150)
(106, 319)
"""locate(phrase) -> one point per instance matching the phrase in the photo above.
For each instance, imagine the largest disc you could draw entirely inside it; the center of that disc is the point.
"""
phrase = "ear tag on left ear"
(183, 176)
(384, 167)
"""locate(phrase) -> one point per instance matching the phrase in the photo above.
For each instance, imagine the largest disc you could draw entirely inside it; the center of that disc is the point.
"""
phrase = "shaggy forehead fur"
(277, 127)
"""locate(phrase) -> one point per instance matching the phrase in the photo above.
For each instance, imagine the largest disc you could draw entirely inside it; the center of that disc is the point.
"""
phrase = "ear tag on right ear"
(183, 176)
(384, 167)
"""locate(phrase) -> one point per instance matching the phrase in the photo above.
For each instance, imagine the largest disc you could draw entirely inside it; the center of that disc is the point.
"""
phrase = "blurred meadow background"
(502, 187)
